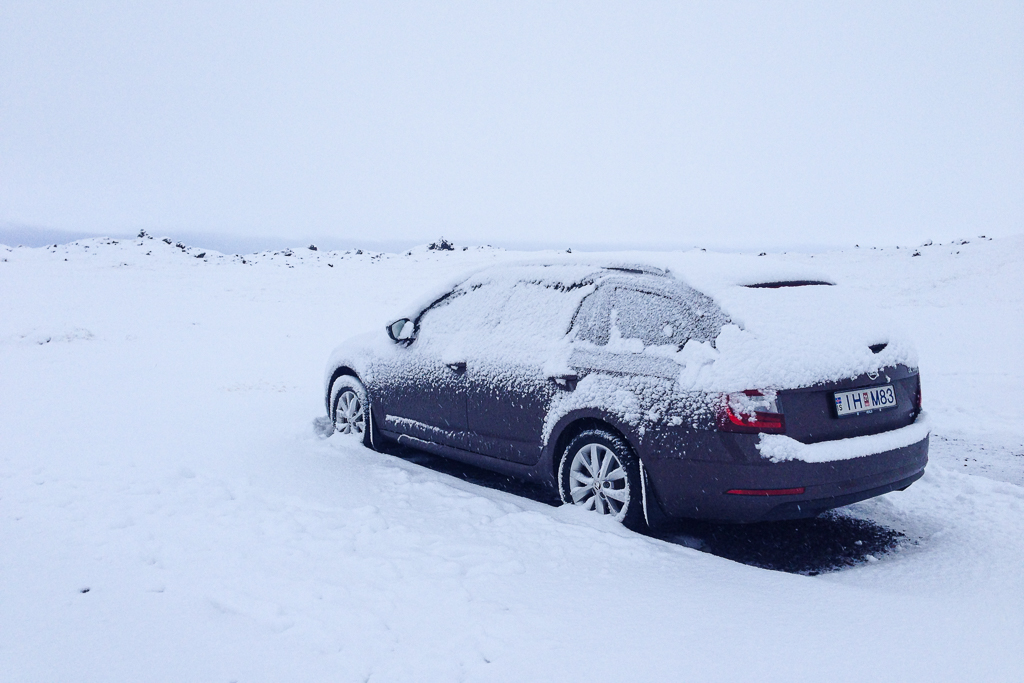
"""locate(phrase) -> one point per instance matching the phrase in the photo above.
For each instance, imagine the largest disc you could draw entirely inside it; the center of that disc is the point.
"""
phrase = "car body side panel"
(539, 472)
(588, 415)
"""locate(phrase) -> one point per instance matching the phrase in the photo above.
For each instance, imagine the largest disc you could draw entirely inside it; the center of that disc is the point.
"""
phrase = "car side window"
(535, 313)
(654, 319)
(592, 318)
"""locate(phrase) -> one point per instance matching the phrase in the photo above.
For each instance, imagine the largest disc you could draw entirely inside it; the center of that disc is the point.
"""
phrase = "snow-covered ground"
(168, 512)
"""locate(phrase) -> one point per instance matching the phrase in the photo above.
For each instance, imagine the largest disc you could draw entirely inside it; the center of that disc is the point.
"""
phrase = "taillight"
(751, 412)
(767, 492)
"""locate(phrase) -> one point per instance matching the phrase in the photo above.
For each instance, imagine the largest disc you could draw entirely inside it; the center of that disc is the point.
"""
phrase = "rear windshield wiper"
(788, 283)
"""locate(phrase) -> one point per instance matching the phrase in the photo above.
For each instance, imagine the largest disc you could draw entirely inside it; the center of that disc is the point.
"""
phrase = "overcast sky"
(555, 123)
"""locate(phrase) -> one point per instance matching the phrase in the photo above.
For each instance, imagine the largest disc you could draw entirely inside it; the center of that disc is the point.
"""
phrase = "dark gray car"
(618, 386)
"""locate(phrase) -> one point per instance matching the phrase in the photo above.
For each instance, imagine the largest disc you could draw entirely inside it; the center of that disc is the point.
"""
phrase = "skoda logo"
(873, 376)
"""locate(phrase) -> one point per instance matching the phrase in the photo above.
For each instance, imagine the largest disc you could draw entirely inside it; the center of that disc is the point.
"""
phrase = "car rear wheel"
(598, 471)
(350, 408)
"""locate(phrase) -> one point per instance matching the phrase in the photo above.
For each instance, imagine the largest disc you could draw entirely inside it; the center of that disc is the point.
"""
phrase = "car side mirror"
(401, 331)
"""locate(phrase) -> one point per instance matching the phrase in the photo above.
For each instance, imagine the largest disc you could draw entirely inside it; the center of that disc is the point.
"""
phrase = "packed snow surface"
(168, 512)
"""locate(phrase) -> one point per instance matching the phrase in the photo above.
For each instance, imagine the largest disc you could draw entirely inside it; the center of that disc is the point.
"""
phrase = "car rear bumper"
(697, 489)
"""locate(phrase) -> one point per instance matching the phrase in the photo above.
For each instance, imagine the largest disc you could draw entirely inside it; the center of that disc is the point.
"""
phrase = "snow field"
(156, 448)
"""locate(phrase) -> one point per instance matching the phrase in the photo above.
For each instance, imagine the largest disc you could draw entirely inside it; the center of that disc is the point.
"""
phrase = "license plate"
(865, 400)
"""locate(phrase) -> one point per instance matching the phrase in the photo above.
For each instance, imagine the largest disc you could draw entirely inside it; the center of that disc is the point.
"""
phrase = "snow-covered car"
(639, 394)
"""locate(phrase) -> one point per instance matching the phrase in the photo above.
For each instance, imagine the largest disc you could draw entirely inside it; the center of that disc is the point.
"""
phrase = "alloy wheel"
(598, 480)
(348, 416)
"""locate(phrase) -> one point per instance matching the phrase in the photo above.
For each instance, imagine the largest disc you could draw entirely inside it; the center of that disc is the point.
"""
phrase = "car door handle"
(458, 366)
(567, 382)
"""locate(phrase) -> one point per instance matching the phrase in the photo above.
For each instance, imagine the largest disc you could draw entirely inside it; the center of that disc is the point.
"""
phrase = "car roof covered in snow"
(776, 336)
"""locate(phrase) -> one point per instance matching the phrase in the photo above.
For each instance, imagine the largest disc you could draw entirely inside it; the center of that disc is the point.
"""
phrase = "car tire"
(350, 409)
(599, 471)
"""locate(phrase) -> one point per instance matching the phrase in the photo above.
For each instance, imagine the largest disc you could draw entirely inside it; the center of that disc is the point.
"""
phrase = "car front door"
(511, 384)
(422, 383)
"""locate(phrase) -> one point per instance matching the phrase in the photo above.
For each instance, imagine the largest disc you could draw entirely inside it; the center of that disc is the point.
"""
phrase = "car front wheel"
(350, 408)
(598, 471)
